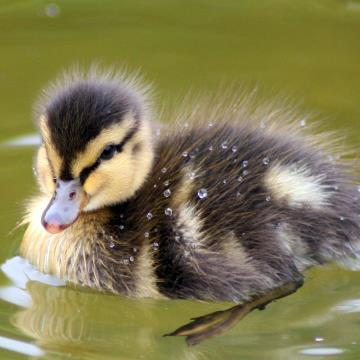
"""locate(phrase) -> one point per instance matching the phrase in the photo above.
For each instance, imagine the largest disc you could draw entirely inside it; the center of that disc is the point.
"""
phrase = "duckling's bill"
(65, 206)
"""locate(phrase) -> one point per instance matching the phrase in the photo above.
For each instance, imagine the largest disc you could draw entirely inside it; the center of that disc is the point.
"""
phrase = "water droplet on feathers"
(302, 123)
(202, 193)
(266, 161)
(224, 145)
(167, 193)
(168, 211)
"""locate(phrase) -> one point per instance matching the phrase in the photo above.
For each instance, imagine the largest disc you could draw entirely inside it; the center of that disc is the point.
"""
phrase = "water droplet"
(192, 176)
(319, 339)
(224, 145)
(111, 245)
(149, 215)
(135, 249)
(266, 161)
(211, 148)
(131, 258)
(224, 181)
(245, 172)
(34, 171)
(167, 193)
(146, 234)
(245, 164)
(358, 188)
(268, 198)
(210, 124)
(121, 227)
(185, 154)
(202, 193)
(126, 262)
(234, 149)
(335, 187)
(155, 186)
(164, 170)
(167, 183)
(302, 123)
(168, 211)
(238, 194)
(155, 245)
(177, 238)
(240, 178)
(341, 218)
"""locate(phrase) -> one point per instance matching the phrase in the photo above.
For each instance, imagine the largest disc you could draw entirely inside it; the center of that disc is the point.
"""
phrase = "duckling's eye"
(108, 152)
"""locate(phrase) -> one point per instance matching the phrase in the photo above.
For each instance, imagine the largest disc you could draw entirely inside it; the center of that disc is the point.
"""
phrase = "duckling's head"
(96, 144)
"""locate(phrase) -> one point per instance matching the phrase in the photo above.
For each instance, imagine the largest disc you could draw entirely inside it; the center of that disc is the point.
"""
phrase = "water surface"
(307, 50)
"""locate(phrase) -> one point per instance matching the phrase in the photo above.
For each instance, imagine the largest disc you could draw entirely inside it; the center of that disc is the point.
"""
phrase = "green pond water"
(308, 50)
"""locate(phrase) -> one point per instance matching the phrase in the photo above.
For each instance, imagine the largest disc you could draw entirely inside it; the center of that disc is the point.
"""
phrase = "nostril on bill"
(72, 195)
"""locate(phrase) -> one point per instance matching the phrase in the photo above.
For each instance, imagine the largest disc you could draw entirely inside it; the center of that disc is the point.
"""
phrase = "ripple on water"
(21, 347)
(24, 140)
(348, 306)
(321, 351)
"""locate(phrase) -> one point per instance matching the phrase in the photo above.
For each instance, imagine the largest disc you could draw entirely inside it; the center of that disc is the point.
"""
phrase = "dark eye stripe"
(86, 172)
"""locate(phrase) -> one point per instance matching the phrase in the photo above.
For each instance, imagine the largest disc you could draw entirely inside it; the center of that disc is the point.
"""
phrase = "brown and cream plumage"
(230, 202)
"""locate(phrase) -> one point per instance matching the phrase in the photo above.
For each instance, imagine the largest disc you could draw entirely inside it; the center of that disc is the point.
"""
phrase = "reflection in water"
(62, 319)
(90, 325)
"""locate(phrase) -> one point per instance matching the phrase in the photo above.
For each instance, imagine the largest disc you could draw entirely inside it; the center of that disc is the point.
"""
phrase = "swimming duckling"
(227, 204)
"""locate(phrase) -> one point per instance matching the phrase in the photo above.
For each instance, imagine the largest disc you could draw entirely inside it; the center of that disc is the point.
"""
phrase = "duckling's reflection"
(94, 325)
(97, 326)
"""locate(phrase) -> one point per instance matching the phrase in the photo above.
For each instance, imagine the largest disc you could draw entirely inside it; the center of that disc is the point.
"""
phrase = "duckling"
(228, 203)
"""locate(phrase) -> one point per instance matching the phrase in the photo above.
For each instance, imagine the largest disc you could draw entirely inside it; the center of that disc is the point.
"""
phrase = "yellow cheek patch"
(95, 182)
(110, 135)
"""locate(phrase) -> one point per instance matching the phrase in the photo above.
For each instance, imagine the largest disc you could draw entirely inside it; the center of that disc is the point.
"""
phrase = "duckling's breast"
(86, 253)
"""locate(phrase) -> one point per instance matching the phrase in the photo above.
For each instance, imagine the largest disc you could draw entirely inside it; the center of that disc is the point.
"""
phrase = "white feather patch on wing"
(297, 186)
